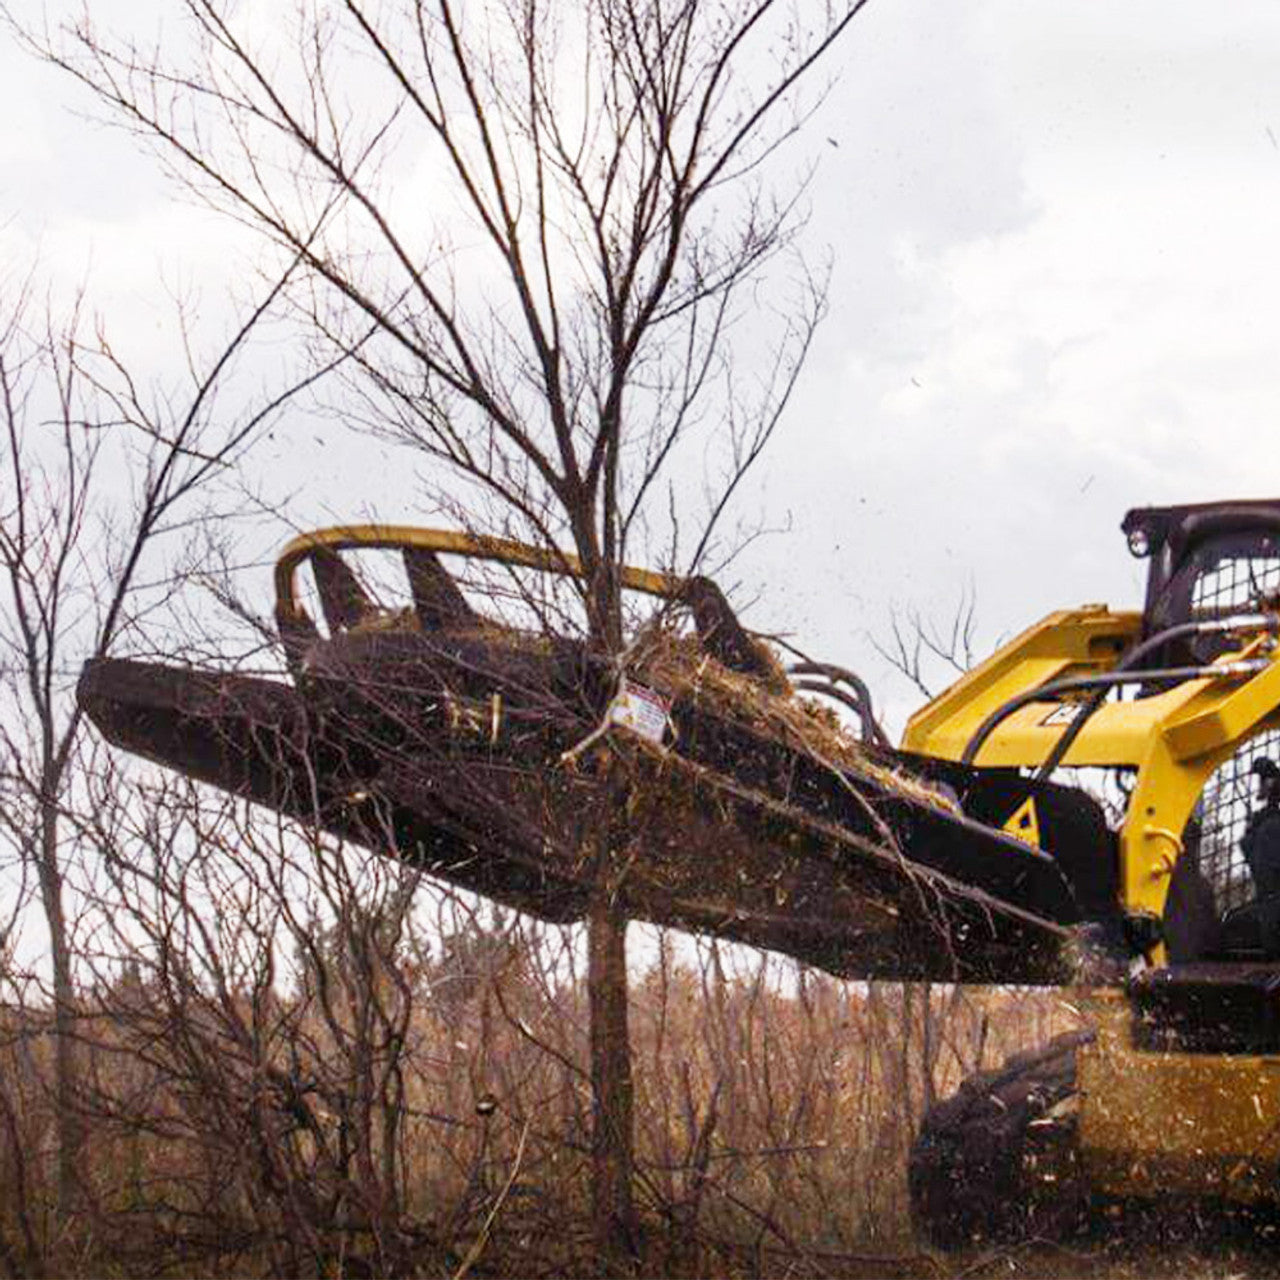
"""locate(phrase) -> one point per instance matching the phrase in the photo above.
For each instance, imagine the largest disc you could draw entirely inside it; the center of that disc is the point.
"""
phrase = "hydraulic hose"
(1106, 681)
(1237, 622)
(858, 701)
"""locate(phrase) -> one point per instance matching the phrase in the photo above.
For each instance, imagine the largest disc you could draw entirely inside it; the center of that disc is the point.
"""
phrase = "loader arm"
(1013, 710)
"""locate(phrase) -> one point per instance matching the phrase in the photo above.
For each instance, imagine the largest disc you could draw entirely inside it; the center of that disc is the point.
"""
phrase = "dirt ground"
(1184, 1243)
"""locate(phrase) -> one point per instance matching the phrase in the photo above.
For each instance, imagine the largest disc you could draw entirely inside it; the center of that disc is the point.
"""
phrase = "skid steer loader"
(1175, 1088)
(1077, 810)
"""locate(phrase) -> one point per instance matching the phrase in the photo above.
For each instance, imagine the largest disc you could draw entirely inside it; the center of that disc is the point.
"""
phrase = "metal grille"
(1229, 797)
(1236, 583)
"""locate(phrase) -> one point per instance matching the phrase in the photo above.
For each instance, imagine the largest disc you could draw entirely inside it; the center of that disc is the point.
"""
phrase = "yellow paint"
(1072, 642)
(449, 542)
(1172, 741)
(1176, 1123)
(1024, 823)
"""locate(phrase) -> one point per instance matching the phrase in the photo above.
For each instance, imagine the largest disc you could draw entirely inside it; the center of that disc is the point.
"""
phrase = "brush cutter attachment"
(516, 762)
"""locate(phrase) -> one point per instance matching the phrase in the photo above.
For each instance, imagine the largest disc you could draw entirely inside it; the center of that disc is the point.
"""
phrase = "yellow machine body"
(1156, 1123)
(1150, 1122)
(1171, 741)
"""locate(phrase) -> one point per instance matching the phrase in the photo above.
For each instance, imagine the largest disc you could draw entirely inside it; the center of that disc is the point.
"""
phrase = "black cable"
(1105, 681)
(1239, 622)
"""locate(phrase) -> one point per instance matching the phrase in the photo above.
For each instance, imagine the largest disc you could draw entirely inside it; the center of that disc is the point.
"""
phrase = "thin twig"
(483, 1238)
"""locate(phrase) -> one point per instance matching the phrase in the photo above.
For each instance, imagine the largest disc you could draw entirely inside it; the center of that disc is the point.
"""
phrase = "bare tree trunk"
(613, 1095)
(66, 1121)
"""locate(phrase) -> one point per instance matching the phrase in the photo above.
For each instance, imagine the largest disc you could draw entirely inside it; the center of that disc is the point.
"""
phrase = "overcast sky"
(1056, 269)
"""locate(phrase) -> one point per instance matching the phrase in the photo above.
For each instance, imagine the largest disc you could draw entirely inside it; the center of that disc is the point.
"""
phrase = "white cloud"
(1055, 296)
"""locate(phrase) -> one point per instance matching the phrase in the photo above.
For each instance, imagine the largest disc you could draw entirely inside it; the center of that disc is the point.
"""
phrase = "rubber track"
(991, 1165)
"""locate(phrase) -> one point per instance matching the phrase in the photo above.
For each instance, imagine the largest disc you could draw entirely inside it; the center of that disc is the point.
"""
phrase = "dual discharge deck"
(498, 761)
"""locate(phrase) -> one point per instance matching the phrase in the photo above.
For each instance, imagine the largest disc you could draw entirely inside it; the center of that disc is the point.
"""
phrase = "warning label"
(641, 710)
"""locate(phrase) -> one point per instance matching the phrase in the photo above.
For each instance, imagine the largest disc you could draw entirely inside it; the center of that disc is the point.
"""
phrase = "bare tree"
(259, 1025)
(100, 471)
(924, 651)
(538, 232)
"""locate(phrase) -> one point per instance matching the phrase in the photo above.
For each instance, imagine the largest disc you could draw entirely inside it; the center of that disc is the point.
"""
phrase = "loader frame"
(1177, 1089)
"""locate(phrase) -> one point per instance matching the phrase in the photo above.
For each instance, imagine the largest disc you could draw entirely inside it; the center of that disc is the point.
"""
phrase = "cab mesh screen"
(1229, 797)
(1235, 583)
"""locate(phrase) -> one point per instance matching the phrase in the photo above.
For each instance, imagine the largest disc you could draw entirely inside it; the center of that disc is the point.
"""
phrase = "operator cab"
(1210, 562)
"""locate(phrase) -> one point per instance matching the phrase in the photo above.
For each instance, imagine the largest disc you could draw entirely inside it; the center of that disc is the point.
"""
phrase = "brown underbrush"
(426, 1111)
